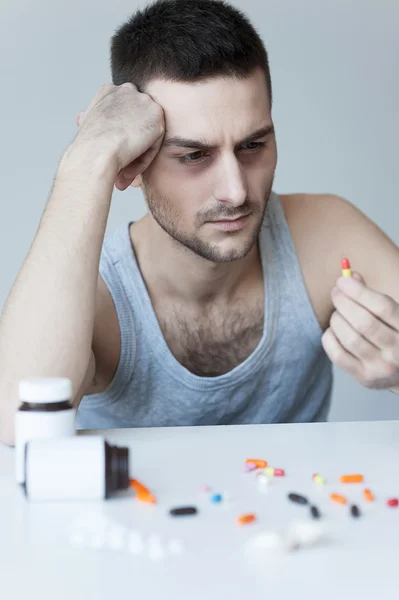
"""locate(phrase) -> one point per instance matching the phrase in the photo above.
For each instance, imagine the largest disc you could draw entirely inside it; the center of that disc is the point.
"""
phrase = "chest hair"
(214, 341)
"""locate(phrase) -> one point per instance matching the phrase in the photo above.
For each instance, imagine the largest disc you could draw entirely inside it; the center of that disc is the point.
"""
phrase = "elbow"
(7, 435)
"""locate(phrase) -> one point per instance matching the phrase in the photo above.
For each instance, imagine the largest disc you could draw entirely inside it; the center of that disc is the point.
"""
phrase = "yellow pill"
(269, 471)
(318, 479)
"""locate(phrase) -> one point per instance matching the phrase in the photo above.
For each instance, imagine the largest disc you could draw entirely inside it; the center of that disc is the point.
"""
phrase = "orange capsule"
(338, 498)
(244, 519)
(259, 464)
(351, 478)
(143, 493)
(368, 496)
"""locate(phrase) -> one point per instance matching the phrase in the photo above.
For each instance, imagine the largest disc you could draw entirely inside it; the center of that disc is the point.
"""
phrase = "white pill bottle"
(83, 467)
(45, 411)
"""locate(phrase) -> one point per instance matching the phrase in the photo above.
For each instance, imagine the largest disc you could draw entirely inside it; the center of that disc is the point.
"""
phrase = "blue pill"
(216, 498)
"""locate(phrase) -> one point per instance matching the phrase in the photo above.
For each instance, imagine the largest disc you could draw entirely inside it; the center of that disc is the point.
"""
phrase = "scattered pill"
(355, 512)
(318, 479)
(250, 467)
(115, 539)
(351, 478)
(346, 268)
(338, 498)
(216, 498)
(97, 540)
(155, 548)
(279, 472)
(263, 482)
(135, 543)
(314, 511)
(269, 471)
(77, 538)
(175, 547)
(259, 464)
(393, 502)
(307, 533)
(271, 541)
(298, 499)
(205, 488)
(245, 519)
(368, 496)
(183, 511)
(298, 535)
(142, 493)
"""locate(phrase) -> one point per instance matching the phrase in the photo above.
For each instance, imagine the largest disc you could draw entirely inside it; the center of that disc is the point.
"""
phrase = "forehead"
(213, 106)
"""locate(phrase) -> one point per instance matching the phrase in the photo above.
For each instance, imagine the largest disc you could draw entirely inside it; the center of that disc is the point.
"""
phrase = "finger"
(352, 340)
(365, 322)
(102, 92)
(338, 355)
(382, 306)
(127, 175)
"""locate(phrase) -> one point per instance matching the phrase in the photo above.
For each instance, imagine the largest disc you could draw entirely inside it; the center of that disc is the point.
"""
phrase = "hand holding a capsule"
(363, 336)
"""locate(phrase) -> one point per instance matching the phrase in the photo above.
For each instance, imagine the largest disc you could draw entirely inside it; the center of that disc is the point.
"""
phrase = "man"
(223, 304)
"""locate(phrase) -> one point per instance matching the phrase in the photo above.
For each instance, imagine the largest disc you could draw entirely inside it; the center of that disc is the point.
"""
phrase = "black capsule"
(355, 512)
(183, 511)
(314, 511)
(298, 499)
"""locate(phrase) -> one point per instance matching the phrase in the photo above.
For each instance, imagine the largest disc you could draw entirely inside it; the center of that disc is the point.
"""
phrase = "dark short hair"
(187, 40)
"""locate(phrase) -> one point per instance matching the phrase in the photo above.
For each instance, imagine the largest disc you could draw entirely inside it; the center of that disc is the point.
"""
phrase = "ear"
(137, 181)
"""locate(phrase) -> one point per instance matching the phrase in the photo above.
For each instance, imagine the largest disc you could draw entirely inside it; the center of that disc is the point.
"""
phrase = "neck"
(175, 271)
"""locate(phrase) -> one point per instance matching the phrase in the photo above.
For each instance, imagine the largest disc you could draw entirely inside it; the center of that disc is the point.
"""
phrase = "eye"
(254, 146)
(194, 157)
(199, 156)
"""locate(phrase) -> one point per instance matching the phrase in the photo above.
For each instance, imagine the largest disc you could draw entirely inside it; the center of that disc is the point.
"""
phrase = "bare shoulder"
(322, 227)
(106, 343)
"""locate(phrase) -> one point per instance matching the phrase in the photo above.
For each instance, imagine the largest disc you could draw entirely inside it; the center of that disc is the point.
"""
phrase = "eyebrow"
(203, 145)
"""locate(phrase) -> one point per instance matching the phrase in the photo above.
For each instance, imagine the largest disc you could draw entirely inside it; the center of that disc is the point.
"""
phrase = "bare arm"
(47, 323)
(46, 328)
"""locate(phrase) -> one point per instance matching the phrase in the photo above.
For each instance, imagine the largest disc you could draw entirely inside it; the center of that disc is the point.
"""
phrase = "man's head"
(204, 63)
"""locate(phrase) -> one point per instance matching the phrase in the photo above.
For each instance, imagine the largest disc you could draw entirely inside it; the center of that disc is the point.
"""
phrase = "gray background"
(335, 83)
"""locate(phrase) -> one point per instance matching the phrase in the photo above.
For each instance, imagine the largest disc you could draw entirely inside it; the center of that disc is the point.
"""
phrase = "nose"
(231, 187)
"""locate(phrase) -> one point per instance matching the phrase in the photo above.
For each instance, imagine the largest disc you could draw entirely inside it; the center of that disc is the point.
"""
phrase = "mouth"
(231, 224)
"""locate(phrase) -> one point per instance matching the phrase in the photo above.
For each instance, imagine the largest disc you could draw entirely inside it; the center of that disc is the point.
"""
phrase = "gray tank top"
(287, 378)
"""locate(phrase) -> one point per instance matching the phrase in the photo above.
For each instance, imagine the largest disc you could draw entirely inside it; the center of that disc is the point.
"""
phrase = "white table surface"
(360, 560)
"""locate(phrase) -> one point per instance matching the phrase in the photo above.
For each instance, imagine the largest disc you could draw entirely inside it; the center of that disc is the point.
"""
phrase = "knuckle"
(378, 378)
(352, 341)
(336, 353)
(368, 326)
(368, 381)
(389, 340)
(386, 307)
(390, 370)
(334, 319)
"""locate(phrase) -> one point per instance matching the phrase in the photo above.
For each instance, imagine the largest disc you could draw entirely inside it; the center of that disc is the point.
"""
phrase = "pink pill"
(205, 488)
(393, 502)
(279, 472)
(249, 467)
